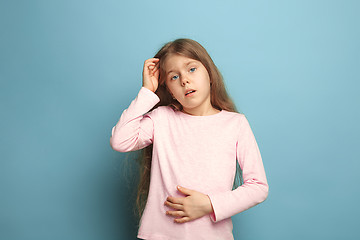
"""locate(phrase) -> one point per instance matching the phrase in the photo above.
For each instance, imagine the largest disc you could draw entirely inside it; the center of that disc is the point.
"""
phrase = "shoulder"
(234, 116)
(164, 110)
(160, 111)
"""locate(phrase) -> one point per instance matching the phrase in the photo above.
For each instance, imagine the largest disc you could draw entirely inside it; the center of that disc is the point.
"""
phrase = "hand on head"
(151, 74)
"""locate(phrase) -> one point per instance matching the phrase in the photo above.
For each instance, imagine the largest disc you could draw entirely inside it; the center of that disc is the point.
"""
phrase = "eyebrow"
(192, 61)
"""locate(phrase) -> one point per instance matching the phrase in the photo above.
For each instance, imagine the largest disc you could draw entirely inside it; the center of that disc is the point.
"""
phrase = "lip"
(187, 90)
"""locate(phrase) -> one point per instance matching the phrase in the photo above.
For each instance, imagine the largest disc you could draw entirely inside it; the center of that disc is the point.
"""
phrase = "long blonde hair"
(218, 97)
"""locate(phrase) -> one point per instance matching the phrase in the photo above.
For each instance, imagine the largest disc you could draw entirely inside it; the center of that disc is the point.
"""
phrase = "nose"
(184, 80)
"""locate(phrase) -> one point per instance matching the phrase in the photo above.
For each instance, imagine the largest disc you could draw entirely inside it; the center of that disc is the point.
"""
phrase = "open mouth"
(190, 93)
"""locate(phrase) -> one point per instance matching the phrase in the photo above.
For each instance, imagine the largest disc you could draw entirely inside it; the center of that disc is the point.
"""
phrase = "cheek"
(167, 84)
(171, 89)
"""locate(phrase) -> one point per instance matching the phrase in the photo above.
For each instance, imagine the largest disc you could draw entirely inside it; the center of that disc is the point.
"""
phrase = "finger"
(175, 200)
(176, 213)
(174, 205)
(155, 64)
(155, 68)
(151, 66)
(148, 64)
(157, 73)
(185, 190)
(151, 60)
(152, 69)
(182, 220)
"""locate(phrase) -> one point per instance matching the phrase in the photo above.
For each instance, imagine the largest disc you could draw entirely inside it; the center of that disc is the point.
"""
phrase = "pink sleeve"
(255, 188)
(135, 127)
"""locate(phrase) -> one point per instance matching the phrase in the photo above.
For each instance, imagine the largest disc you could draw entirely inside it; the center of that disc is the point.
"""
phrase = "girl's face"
(182, 74)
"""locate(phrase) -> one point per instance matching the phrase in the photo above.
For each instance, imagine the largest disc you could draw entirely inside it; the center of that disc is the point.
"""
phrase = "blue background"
(69, 68)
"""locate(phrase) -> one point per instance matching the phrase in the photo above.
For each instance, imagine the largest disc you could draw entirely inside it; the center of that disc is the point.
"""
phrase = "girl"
(192, 137)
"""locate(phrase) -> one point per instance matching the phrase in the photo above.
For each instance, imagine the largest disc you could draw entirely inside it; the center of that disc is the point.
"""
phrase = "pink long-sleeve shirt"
(195, 152)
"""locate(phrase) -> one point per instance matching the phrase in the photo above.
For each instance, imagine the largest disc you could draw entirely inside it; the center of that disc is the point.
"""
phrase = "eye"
(192, 69)
(173, 78)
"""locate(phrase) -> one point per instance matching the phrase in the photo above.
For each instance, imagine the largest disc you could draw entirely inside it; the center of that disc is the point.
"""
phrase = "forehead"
(175, 61)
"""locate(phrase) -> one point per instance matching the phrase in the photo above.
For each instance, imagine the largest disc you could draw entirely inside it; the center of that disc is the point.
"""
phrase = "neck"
(201, 112)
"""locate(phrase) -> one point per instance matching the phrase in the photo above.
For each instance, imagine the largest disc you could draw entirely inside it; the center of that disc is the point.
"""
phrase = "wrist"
(148, 88)
(210, 208)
